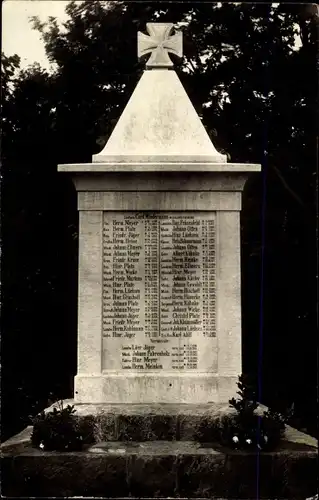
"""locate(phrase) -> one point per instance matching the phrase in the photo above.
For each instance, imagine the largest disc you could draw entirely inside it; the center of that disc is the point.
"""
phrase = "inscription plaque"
(159, 291)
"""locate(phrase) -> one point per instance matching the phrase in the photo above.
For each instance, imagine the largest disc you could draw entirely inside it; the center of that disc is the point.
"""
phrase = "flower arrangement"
(57, 430)
(245, 429)
(250, 430)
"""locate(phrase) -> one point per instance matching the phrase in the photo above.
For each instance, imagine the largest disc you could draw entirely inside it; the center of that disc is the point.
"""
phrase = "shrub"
(250, 430)
(57, 430)
(245, 429)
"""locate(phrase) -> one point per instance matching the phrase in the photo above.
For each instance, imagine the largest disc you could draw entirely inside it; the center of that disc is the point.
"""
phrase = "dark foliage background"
(269, 117)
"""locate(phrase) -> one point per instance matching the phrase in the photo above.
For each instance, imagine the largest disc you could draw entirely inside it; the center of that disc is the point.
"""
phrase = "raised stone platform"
(148, 422)
(147, 451)
(152, 422)
(174, 469)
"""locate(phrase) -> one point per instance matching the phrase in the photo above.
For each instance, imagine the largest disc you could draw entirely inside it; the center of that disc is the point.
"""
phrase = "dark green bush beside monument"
(57, 430)
(249, 429)
(246, 429)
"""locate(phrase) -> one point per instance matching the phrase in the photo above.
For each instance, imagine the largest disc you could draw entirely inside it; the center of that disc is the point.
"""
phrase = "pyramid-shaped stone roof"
(159, 123)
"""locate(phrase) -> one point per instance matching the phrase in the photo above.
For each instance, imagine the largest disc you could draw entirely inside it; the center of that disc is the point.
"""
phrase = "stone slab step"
(151, 422)
(148, 422)
(165, 469)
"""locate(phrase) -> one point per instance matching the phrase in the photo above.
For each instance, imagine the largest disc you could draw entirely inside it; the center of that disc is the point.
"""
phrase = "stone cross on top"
(159, 43)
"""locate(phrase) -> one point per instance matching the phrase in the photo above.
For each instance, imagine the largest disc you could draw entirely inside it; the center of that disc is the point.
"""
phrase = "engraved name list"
(159, 290)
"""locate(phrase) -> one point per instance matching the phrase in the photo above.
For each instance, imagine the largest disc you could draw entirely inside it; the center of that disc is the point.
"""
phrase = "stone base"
(197, 388)
(169, 469)
(153, 422)
(147, 422)
(150, 450)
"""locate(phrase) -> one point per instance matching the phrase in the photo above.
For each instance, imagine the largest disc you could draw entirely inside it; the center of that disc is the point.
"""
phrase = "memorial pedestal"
(159, 281)
(166, 468)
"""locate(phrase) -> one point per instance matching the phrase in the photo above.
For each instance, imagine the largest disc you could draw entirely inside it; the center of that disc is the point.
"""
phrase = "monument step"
(166, 469)
(147, 422)
(153, 422)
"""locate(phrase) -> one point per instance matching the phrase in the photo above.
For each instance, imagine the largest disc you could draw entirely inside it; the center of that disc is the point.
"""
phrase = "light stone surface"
(138, 200)
(159, 291)
(159, 387)
(159, 43)
(159, 166)
(211, 368)
(160, 181)
(159, 122)
(228, 294)
(116, 196)
(90, 292)
(210, 409)
(142, 164)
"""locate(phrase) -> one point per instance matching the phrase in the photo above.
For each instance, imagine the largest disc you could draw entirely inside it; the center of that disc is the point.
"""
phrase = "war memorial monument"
(159, 312)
